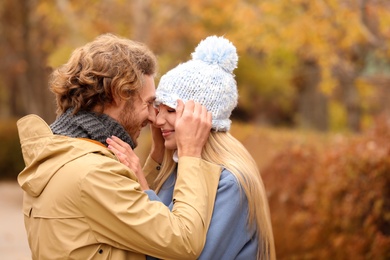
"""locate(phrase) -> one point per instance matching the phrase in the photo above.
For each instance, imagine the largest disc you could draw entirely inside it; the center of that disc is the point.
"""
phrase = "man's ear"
(116, 99)
(114, 109)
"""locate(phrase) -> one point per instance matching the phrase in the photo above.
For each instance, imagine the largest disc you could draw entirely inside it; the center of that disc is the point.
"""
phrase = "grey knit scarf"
(89, 125)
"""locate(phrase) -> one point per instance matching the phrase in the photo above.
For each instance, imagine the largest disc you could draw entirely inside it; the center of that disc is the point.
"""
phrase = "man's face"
(138, 112)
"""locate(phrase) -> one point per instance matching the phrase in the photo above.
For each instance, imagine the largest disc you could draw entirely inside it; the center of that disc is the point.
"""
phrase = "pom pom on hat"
(207, 78)
(217, 50)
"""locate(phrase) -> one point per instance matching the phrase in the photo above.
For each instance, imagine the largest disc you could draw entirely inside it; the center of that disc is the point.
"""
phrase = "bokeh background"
(314, 110)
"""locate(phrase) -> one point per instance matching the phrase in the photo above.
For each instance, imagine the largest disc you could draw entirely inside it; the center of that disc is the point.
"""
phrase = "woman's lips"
(166, 133)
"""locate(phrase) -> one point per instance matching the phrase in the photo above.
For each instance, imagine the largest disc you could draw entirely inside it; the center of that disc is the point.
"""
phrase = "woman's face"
(165, 120)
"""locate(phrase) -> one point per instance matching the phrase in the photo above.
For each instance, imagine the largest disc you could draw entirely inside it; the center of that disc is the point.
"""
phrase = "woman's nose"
(160, 119)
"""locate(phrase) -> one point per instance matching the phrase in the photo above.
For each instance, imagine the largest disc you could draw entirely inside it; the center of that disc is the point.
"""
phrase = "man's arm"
(121, 214)
(130, 220)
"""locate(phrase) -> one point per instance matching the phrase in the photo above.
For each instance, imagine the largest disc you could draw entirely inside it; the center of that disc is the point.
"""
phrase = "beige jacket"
(81, 203)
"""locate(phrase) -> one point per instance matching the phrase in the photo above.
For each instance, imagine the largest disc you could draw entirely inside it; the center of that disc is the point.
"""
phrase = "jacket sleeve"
(120, 213)
(151, 169)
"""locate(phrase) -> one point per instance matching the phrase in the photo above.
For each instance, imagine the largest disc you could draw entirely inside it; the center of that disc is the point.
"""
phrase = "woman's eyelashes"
(163, 108)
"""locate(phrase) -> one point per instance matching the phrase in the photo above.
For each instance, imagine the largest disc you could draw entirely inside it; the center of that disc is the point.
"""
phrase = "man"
(80, 202)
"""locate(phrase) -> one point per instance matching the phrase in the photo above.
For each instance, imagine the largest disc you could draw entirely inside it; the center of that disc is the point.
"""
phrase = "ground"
(13, 239)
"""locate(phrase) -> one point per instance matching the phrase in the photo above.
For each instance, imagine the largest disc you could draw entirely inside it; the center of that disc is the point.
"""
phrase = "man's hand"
(192, 128)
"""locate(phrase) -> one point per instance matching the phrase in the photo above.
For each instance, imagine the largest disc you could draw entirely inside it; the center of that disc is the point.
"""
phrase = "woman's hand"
(192, 128)
(126, 155)
(158, 148)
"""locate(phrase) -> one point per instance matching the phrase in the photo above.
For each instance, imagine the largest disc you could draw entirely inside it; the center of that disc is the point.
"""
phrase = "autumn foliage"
(319, 64)
(332, 203)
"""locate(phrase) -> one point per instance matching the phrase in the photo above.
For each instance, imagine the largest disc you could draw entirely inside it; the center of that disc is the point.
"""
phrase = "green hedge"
(11, 160)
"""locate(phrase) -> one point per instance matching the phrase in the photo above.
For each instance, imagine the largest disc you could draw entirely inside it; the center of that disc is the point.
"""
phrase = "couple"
(80, 202)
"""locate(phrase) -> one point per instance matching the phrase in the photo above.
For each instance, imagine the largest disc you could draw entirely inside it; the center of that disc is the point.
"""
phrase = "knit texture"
(90, 125)
(207, 78)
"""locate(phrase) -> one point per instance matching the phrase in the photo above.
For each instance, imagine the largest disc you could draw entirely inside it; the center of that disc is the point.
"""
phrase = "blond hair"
(223, 149)
(97, 72)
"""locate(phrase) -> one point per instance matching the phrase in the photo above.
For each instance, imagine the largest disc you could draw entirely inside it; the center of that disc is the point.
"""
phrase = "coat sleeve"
(120, 213)
(151, 169)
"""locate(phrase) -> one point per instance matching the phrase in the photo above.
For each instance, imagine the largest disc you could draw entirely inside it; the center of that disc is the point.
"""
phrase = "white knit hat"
(207, 78)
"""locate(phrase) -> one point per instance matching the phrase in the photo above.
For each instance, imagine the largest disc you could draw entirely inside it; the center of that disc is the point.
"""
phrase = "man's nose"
(152, 115)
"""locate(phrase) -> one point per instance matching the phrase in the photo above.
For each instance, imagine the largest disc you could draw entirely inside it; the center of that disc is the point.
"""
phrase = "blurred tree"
(40, 35)
(334, 37)
(297, 57)
(23, 70)
(141, 20)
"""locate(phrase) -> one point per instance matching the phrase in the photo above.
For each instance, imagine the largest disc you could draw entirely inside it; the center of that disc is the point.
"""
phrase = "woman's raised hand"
(126, 155)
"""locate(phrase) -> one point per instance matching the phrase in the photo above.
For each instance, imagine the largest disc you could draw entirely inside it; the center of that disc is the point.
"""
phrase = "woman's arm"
(229, 236)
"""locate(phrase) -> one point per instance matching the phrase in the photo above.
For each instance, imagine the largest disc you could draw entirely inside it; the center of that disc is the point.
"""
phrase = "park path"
(13, 239)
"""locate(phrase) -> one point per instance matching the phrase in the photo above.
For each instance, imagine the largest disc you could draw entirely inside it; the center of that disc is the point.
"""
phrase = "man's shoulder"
(32, 125)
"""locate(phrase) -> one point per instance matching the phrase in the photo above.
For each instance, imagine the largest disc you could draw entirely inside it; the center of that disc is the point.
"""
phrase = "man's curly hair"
(105, 68)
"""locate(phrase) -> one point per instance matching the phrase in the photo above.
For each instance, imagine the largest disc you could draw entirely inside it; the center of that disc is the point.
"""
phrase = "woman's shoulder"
(230, 191)
(228, 179)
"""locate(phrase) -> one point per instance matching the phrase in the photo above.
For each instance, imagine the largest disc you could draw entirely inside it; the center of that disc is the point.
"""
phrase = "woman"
(241, 226)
